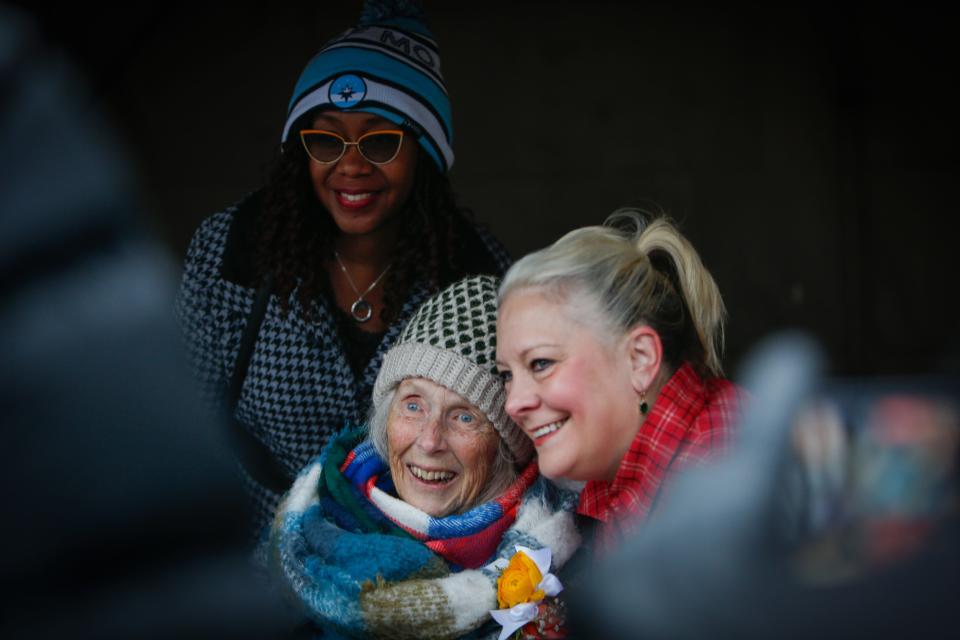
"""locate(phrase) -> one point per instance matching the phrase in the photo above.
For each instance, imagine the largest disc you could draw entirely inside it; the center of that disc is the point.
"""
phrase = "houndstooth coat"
(299, 389)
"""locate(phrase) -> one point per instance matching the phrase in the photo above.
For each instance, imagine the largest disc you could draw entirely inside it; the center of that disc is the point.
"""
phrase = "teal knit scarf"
(385, 583)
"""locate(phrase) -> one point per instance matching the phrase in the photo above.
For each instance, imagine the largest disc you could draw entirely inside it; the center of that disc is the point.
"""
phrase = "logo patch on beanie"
(347, 90)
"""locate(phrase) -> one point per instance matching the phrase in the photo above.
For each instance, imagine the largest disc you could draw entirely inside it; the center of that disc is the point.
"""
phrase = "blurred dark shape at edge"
(123, 514)
(718, 561)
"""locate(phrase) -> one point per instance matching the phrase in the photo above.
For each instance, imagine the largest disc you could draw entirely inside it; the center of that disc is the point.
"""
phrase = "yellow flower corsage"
(523, 583)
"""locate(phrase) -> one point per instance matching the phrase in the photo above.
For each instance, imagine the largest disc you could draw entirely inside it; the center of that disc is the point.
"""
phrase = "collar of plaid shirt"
(691, 419)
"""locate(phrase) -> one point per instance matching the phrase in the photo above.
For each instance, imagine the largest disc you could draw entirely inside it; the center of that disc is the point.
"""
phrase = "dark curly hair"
(296, 234)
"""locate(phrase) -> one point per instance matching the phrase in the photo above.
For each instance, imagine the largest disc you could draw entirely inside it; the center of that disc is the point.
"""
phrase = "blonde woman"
(609, 343)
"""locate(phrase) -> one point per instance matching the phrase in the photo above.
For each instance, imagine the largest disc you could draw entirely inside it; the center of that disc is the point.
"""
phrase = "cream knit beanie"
(451, 340)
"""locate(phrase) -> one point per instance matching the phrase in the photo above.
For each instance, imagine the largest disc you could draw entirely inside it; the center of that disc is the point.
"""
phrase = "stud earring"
(644, 407)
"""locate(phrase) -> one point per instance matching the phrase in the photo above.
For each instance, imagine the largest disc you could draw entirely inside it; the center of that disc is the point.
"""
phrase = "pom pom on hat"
(396, 13)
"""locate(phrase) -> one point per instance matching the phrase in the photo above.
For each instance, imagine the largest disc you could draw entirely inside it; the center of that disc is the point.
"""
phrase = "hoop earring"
(644, 407)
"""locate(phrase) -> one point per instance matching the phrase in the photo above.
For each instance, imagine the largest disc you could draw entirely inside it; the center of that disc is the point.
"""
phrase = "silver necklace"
(360, 309)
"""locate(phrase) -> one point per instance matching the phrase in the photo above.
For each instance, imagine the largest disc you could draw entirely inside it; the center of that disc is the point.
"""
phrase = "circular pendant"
(361, 310)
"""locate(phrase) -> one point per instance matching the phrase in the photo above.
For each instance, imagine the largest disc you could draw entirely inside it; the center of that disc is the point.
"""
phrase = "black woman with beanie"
(291, 297)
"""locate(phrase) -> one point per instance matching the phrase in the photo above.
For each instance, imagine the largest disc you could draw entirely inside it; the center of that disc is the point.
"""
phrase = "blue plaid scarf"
(363, 584)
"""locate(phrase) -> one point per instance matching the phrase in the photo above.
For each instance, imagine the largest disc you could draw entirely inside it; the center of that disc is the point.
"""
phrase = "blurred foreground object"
(120, 517)
(836, 517)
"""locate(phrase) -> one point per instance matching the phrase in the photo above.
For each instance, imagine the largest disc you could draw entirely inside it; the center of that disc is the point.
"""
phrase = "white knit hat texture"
(451, 340)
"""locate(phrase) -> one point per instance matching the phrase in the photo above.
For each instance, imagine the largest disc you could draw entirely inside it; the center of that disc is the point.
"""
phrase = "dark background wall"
(809, 151)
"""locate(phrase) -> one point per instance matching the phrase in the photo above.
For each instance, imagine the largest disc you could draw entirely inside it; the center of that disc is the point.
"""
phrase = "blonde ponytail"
(697, 287)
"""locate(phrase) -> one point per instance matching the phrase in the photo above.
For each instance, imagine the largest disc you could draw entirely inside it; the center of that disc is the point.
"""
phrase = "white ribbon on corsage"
(515, 617)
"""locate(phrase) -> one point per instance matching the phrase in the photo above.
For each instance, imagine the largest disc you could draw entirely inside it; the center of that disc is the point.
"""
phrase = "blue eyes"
(536, 365)
(455, 418)
(539, 364)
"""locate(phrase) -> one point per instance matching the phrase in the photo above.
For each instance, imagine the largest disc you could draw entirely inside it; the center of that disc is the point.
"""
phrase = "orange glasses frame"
(305, 132)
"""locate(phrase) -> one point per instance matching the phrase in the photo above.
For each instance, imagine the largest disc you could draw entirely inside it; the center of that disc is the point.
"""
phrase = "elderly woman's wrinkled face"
(442, 448)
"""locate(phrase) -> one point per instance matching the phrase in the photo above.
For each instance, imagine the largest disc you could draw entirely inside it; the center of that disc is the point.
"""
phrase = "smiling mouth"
(355, 200)
(542, 432)
(431, 477)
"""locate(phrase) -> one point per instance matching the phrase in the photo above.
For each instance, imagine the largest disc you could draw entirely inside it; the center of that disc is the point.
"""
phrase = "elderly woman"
(393, 533)
(609, 344)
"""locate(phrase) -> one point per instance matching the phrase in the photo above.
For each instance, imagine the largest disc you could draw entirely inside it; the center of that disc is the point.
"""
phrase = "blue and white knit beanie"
(388, 65)
(452, 340)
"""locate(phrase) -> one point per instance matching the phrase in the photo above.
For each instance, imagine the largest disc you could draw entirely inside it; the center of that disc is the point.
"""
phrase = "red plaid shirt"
(691, 420)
